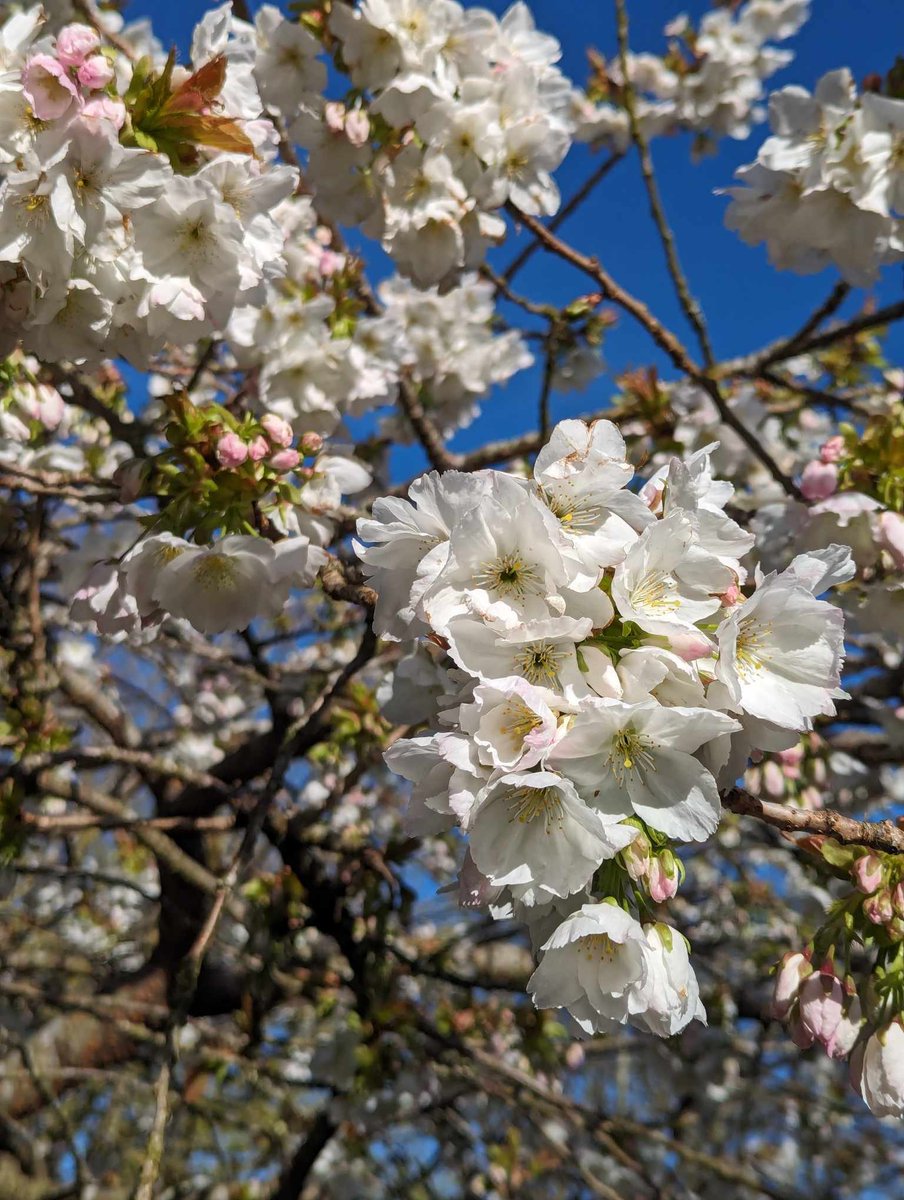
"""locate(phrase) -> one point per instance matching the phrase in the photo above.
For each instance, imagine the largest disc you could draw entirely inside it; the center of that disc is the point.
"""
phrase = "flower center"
(599, 945)
(630, 752)
(539, 662)
(166, 553)
(655, 593)
(526, 804)
(519, 720)
(576, 516)
(216, 573)
(509, 575)
(750, 651)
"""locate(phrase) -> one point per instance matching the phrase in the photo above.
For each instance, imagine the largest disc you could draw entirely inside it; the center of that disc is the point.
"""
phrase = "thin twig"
(828, 308)
(779, 351)
(563, 214)
(664, 338)
(679, 279)
(150, 1167)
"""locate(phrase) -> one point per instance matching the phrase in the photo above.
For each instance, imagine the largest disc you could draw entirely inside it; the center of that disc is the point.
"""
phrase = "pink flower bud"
(285, 460)
(574, 1056)
(819, 480)
(330, 263)
(878, 908)
(663, 877)
(311, 443)
(792, 757)
(867, 872)
(95, 73)
(74, 43)
(357, 127)
(104, 108)
(258, 449)
(690, 646)
(793, 970)
(278, 431)
(231, 450)
(47, 87)
(897, 899)
(731, 596)
(832, 450)
(846, 1034)
(773, 778)
(821, 1005)
(636, 857)
(651, 494)
(51, 406)
(811, 799)
(890, 536)
(334, 116)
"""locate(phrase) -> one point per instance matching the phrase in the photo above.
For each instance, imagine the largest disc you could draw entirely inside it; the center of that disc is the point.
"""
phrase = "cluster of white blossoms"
(713, 88)
(610, 676)
(136, 206)
(316, 360)
(828, 186)
(220, 587)
(462, 112)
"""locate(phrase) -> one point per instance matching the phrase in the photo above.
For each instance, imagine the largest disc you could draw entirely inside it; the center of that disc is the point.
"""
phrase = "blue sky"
(747, 304)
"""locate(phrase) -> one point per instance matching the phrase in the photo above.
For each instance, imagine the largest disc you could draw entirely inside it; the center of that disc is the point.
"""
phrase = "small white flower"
(638, 758)
(533, 828)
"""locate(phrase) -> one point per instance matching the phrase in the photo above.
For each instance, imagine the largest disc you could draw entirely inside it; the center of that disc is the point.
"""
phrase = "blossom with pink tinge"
(95, 73)
(47, 87)
(311, 443)
(794, 968)
(890, 536)
(258, 448)
(868, 873)
(691, 646)
(811, 798)
(231, 450)
(819, 480)
(357, 127)
(636, 857)
(663, 877)
(821, 1003)
(773, 778)
(104, 108)
(334, 116)
(791, 760)
(330, 263)
(285, 460)
(848, 1029)
(832, 450)
(278, 431)
(75, 43)
(878, 908)
(575, 1056)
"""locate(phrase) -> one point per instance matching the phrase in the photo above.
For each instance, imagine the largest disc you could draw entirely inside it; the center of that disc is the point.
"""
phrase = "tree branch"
(877, 835)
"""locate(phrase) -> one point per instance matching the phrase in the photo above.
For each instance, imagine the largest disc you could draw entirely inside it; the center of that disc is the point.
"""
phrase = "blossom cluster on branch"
(610, 675)
(826, 187)
(710, 83)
